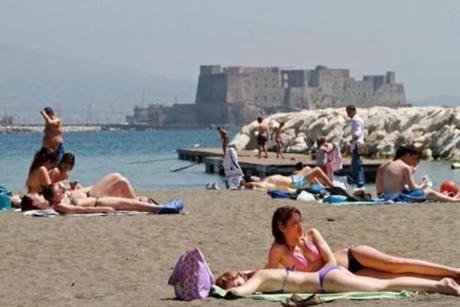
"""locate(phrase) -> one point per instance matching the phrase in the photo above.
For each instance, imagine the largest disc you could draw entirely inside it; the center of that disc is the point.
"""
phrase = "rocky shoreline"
(434, 129)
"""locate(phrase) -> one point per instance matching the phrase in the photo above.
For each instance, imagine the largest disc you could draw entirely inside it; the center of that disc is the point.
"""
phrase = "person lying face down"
(64, 203)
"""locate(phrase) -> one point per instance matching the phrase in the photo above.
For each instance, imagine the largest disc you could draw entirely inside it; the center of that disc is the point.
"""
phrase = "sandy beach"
(126, 260)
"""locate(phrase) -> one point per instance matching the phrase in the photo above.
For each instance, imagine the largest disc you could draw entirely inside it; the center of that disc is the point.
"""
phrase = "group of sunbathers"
(302, 261)
(394, 180)
(48, 185)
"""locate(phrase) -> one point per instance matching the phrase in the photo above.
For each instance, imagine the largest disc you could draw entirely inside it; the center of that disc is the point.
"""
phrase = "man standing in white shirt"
(357, 137)
(232, 169)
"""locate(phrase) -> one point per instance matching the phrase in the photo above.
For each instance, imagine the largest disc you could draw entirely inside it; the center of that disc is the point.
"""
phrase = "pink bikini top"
(298, 260)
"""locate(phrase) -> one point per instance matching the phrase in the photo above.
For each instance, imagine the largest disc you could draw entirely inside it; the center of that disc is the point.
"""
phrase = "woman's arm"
(274, 257)
(323, 248)
(54, 174)
(49, 120)
(252, 284)
(65, 208)
(44, 176)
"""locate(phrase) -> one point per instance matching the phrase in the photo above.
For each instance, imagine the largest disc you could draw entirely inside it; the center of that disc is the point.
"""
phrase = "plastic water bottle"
(429, 183)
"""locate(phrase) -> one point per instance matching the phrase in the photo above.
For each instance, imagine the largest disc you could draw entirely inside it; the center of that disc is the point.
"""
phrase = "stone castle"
(236, 95)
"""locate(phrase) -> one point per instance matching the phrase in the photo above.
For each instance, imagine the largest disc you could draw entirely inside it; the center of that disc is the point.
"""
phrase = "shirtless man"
(262, 137)
(53, 139)
(224, 138)
(397, 180)
(64, 203)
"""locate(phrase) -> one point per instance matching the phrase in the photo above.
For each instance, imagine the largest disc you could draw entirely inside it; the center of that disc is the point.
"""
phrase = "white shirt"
(230, 163)
(357, 130)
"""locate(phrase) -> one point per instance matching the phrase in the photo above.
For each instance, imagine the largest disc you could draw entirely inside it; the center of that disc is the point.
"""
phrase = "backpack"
(5, 198)
(191, 276)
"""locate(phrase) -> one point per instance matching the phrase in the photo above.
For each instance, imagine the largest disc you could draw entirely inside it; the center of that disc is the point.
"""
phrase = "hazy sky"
(419, 39)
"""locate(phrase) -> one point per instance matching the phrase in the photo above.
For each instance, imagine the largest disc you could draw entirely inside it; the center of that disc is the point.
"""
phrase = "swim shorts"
(298, 182)
(407, 196)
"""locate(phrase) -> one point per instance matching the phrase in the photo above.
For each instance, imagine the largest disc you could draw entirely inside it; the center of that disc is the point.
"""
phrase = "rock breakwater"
(436, 130)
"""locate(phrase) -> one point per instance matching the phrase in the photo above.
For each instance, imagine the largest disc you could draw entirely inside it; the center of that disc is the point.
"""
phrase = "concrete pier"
(251, 165)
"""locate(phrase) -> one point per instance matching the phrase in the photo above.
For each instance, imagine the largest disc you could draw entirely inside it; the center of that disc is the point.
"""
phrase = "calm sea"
(145, 157)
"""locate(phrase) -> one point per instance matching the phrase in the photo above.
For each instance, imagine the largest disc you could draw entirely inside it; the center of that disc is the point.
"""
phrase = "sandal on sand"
(152, 201)
(147, 200)
(297, 301)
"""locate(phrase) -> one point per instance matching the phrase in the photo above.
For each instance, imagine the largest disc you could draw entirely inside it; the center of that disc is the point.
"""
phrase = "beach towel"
(218, 292)
(373, 202)
(52, 212)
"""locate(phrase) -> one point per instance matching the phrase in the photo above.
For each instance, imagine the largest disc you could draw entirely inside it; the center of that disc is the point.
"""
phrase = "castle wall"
(212, 89)
(228, 94)
(390, 95)
(183, 114)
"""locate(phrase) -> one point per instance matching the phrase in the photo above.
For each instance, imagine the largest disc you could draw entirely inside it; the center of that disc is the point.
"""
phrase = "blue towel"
(280, 194)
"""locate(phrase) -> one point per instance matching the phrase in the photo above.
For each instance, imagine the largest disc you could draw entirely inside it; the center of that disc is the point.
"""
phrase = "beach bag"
(5, 198)
(191, 276)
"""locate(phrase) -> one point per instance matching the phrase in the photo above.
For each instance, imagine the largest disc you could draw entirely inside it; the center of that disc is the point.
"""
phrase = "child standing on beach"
(323, 156)
(278, 140)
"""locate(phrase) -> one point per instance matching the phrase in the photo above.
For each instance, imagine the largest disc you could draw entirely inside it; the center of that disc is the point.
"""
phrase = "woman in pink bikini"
(297, 250)
(330, 278)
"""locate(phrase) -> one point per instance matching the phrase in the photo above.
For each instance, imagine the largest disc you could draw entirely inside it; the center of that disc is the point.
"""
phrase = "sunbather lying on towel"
(297, 250)
(65, 203)
(331, 278)
(395, 180)
(113, 184)
(299, 180)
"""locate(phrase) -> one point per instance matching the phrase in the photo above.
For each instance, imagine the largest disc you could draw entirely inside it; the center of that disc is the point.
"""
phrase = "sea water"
(146, 158)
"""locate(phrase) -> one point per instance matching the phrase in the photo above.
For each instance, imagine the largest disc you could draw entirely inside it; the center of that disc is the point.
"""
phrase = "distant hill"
(443, 100)
(81, 90)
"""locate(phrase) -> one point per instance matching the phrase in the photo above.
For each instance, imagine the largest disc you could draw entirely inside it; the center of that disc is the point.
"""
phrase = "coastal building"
(236, 94)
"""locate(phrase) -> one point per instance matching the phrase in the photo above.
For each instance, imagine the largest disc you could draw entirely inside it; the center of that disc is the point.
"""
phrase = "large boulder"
(436, 130)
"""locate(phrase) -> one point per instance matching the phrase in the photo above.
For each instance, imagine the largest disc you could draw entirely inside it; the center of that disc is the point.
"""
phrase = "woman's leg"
(372, 258)
(317, 173)
(341, 281)
(127, 204)
(113, 185)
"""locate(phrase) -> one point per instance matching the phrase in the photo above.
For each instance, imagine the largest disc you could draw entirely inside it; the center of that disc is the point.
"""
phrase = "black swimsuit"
(353, 264)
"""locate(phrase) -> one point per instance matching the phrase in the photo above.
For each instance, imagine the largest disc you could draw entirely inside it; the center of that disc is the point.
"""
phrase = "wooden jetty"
(251, 165)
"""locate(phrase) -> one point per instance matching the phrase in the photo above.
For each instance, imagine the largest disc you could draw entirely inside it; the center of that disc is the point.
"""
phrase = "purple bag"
(191, 276)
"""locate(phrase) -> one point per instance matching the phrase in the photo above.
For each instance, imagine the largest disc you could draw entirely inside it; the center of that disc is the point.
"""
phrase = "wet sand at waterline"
(126, 260)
